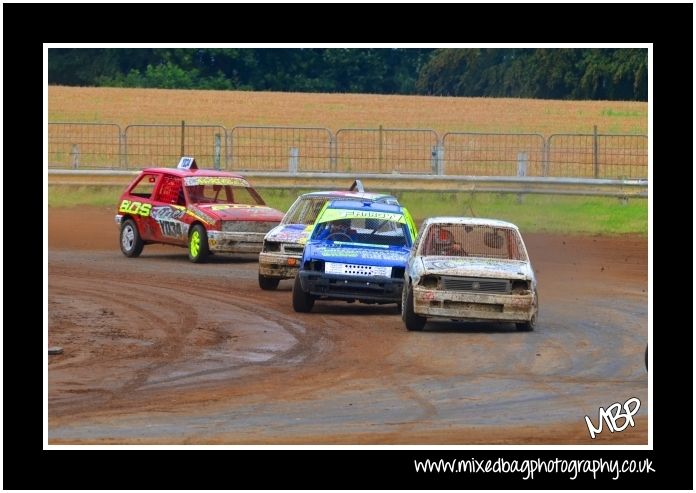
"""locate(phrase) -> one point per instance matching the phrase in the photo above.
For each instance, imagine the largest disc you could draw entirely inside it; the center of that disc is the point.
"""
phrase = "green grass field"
(534, 213)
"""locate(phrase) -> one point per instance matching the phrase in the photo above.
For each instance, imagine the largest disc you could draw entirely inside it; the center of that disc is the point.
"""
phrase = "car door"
(166, 222)
(137, 203)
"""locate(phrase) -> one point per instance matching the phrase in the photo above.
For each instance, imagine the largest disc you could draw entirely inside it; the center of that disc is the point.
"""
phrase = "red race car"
(203, 210)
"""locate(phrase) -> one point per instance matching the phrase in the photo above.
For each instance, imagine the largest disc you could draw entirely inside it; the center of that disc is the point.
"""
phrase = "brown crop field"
(334, 111)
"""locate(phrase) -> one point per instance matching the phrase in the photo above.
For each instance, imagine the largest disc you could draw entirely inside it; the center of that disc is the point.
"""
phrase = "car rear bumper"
(239, 242)
(378, 289)
(279, 265)
(475, 306)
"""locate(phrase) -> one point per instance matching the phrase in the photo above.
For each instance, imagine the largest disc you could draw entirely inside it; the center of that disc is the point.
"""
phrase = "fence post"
(216, 152)
(545, 157)
(437, 153)
(333, 153)
(182, 138)
(595, 153)
(75, 153)
(292, 163)
(228, 149)
(121, 150)
(380, 148)
(522, 160)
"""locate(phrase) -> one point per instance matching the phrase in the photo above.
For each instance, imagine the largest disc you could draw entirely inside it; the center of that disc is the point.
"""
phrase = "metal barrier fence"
(598, 156)
(480, 154)
(380, 150)
(162, 145)
(280, 149)
(84, 145)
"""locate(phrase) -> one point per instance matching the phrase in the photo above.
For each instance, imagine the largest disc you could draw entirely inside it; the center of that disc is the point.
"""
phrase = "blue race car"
(357, 252)
(283, 245)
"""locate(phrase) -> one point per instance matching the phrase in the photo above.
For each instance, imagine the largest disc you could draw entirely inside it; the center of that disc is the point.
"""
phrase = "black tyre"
(131, 242)
(302, 302)
(268, 283)
(198, 249)
(526, 326)
(412, 321)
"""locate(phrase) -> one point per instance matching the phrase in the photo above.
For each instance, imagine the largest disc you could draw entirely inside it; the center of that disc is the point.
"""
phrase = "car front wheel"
(413, 321)
(302, 302)
(131, 242)
(198, 244)
(268, 283)
(529, 326)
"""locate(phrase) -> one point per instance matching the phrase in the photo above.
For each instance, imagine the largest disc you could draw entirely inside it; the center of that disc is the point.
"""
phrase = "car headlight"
(521, 287)
(314, 265)
(429, 282)
(271, 246)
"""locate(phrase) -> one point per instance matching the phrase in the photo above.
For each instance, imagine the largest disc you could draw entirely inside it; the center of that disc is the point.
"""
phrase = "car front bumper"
(337, 286)
(279, 265)
(238, 242)
(473, 306)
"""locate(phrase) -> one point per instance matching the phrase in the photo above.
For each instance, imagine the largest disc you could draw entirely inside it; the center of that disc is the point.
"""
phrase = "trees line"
(545, 73)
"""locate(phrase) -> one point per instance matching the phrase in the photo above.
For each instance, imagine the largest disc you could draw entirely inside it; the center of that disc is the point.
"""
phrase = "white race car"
(474, 269)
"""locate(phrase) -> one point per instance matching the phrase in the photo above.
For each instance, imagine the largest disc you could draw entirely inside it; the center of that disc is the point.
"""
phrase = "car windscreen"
(464, 240)
(221, 194)
(304, 211)
(371, 231)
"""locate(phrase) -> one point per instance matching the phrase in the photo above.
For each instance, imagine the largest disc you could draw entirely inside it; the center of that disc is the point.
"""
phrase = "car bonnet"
(290, 233)
(477, 267)
(363, 255)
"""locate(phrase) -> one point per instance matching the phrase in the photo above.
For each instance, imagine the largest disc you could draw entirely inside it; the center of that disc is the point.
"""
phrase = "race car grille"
(248, 226)
(477, 285)
(296, 249)
(357, 270)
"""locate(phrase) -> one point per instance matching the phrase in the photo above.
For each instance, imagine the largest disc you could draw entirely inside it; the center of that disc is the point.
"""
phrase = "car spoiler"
(357, 186)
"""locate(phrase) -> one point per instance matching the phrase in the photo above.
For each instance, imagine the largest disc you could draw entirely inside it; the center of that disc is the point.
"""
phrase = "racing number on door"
(135, 208)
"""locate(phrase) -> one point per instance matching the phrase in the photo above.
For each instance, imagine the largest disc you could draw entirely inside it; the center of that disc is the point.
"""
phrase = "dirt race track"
(159, 350)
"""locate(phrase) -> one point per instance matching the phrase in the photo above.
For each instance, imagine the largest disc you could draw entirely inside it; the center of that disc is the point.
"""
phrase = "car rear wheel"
(268, 283)
(302, 302)
(413, 321)
(198, 244)
(131, 242)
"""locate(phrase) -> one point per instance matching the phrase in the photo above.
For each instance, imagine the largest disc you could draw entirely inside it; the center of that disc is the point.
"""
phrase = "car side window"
(145, 186)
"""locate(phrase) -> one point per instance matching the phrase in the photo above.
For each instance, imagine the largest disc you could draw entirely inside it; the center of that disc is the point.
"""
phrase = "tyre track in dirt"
(182, 318)
(244, 368)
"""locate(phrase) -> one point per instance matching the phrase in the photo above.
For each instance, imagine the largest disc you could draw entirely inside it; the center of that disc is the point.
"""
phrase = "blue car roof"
(373, 206)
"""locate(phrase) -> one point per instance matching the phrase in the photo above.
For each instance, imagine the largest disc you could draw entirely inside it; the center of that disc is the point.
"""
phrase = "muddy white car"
(469, 269)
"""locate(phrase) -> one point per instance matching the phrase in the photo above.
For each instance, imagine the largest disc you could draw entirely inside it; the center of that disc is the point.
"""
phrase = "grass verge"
(532, 213)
